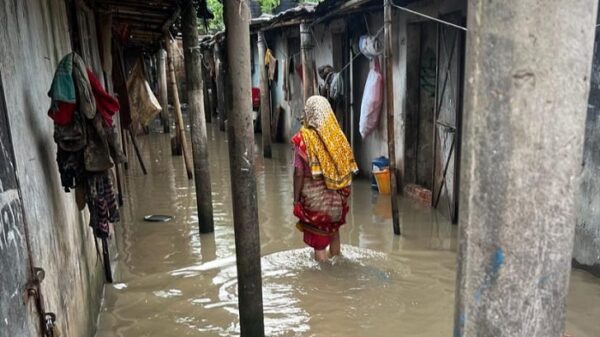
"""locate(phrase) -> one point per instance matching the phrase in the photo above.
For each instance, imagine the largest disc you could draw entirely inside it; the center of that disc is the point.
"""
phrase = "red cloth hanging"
(62, 112)
(106, 105)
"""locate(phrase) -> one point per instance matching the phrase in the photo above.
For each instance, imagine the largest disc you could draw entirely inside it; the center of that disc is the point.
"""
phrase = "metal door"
(448, 115)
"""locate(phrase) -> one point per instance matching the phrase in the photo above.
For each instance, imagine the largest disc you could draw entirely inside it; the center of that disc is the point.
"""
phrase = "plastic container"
(378, 164)
(383, 181)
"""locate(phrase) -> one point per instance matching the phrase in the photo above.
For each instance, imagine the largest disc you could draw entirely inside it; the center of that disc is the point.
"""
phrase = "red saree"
(320, 211)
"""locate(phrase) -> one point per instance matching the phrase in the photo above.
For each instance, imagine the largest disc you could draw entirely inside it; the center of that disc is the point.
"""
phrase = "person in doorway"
(323, 168)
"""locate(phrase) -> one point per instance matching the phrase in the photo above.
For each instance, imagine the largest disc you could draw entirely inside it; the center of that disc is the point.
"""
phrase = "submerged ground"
(170, 281)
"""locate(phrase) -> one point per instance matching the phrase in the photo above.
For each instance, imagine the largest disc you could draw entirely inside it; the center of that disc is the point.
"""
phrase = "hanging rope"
(428, 17)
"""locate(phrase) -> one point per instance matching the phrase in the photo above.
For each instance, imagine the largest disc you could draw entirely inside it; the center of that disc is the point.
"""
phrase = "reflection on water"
(174, 282)
(353, 283)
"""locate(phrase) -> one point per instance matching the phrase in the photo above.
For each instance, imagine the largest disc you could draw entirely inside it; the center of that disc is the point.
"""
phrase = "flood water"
(170, 281)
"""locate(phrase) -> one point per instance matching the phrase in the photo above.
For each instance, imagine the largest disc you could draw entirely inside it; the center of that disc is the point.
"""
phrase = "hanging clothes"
(287, 95)
(87, 144)
(85, 97)
(107, 105)
(70, 167)
(62, 93)
(333, 83)
(325, 73)
(271, 64)
(102, 203)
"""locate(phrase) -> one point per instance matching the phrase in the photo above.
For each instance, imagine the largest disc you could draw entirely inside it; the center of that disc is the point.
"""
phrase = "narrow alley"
(174, 282)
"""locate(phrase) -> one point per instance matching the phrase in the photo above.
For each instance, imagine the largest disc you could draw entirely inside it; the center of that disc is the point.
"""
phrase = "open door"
(448, 117)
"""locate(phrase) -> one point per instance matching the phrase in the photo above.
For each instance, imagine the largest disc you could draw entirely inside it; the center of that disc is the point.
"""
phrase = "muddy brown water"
(170, 281)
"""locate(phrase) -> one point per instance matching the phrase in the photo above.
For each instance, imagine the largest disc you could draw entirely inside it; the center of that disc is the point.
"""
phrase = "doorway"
(435, 67)
(420, 103)
(341, 55)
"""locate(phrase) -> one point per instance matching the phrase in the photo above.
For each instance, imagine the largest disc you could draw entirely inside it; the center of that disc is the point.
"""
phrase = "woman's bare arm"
(298, 183)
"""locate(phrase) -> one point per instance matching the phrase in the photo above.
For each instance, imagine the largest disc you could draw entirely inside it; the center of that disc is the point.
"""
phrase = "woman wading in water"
(323, 169)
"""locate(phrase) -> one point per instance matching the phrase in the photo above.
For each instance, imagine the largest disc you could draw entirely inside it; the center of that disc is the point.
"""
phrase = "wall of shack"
(35, 36)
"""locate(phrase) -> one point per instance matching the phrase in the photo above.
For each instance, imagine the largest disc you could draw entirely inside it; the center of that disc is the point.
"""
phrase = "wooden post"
(176, 138)
(120, 87)
(137, 152)
(193, 71)
(308, 72)
(220, 68)
(180, 134)
(124, 145)
(524, 124)
(162, 90)
(389, 103)
(265, 97)
(241, 156)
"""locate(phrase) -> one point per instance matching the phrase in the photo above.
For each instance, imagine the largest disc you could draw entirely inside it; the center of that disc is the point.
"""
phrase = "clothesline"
(318, 47)
(282, 52)
(428, 17)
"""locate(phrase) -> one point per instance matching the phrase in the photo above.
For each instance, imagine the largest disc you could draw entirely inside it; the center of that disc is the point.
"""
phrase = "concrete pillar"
(389, 103)
(265, 97)
(527, 82)
(162, 90)
(193, 76)
(241, 154)
(180, 140)
(308, 73)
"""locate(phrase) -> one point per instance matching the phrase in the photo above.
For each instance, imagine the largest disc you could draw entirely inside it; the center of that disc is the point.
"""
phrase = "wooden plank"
(389, 103)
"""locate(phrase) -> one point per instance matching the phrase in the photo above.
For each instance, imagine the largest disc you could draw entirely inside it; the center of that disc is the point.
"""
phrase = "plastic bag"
(143, 103)
(370, 46)
(372, 100)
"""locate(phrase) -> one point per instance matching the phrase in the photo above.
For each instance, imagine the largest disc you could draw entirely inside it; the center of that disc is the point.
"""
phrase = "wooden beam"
(243, 180)
(194, 86)
(180, 134)
(389, 103)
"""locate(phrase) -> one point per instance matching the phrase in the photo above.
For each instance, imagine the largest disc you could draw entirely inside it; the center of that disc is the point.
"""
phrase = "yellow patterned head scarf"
(327, 150)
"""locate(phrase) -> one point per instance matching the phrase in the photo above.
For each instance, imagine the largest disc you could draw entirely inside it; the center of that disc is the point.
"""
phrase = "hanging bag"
(372, 100)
